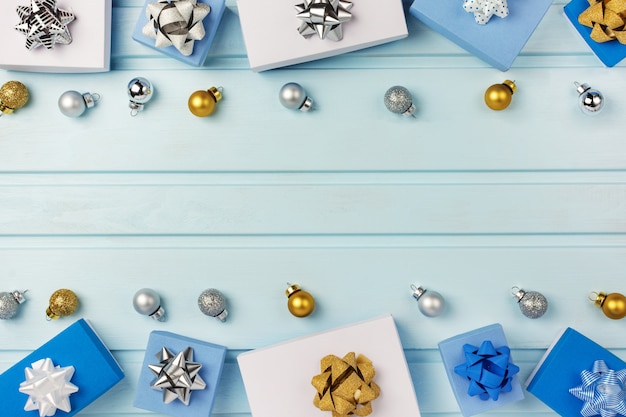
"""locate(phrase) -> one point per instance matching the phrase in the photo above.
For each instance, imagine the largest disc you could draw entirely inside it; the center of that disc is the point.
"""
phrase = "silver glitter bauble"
(140, 92)
(213, 303)
(147, 302)
(399, 100)
(73, 104)
(430, 303)
(294, 97)
(532, 304)
(590, 101)
(9, 303)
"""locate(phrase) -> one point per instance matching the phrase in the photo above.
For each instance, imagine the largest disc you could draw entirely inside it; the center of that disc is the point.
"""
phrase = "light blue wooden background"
(350, 201)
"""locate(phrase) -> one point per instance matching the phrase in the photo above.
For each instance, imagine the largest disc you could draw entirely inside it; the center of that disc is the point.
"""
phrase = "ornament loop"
(593, 296)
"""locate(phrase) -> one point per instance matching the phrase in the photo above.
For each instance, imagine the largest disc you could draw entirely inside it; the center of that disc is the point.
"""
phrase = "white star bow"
(48, 387)
(44, 23)
(484, 9)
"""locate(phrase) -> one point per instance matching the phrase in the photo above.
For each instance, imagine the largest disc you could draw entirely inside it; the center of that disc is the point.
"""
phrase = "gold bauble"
(202, 103)
(63, 302)
(613, 305)
(13, 95)
(498, 96)
(300, 303)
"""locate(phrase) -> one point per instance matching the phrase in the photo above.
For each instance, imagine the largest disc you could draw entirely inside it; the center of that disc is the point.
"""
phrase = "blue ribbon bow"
(602, 390)
(488, 370)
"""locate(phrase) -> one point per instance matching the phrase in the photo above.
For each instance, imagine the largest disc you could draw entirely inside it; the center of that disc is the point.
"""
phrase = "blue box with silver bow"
(578, 377)
(78, 362)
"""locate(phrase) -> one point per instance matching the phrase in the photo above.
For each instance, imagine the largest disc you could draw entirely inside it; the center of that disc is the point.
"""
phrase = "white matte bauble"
(294, 97)
(430, 303)
(73, 104)
(147, 302)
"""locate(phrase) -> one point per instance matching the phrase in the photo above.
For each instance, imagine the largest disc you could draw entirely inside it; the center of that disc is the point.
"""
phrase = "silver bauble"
(147, 302)
(9, 303)
(213, 303)
(430, 303)
(294, 97)
(73, 104)
(532, 304)
(399, 100)
(140, 92)
(590, 101)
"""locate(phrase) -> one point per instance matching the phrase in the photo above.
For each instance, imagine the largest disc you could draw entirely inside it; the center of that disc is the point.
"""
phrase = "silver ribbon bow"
(44, 23)
(177, 375)
(323, 17)
(602, 390)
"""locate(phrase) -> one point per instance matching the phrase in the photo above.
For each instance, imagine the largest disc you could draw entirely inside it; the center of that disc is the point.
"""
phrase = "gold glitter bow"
(345, 386)
(607, 20)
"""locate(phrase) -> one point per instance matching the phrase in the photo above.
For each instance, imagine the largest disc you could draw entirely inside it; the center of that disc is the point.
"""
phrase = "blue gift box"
(560, 368)
(96, 371)
(452, 353)
(610, 53)
(498, 42)
(210, 355)
(201, 47)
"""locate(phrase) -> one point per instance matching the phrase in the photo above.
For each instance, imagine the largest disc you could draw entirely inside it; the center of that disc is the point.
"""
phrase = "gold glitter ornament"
(63, 302)
(13, 95)
(300, 303)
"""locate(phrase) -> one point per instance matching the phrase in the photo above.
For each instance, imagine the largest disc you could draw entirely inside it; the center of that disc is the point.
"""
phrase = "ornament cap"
(222, 316)
(599, 300)
(19, 296)
(417, 291)
(159, 315)
(511, 85)
(307, 105)
(581, 88)
(91, 99)
(216, 92)
(518, 293)
(291, 289)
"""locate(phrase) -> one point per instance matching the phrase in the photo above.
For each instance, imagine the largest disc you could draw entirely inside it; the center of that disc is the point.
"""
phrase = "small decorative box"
(203, 367)
(498, 42)
(199, 34)
(78, 346)
(560, 369)
(88, 51)
(455, 354)
(611, 52)
(270, 31)
(278, 378)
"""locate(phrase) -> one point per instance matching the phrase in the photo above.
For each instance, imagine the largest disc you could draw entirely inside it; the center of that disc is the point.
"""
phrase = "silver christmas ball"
(430, 303)
(213, 303)
(73, 104)
(532, 304)
(140, 92)
(293, 96)
(147, 302)
(9, 303)
(399, 100)
(590, 101)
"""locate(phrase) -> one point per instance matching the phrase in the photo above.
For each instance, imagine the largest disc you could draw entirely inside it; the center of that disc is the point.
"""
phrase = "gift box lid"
(560, 367)
(210, 355)
(96, 370)
(452, 354)
(498, 42)
(610, 53)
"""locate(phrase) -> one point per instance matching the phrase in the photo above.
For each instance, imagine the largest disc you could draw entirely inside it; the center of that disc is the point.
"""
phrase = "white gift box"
(89, 51)
(278, 378)
(270, 31)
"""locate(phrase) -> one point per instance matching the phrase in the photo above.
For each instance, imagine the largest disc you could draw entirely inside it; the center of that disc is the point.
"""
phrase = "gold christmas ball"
(300, 303)
(13, 95)
(63, 302)
(202, 103)
(498, 96)
(613, 305)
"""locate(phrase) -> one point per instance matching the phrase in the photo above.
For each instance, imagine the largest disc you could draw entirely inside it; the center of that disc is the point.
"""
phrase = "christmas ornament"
(44, 23)
(603, 391)
(202, 103)
(177, 375)
(430, 303)
(613, 305)
(606, 18)
(345, 386)
(213, 303)
(73, 104)
(176, 23)
(48, 387)
(484, 9)
(498, 96)
(487, 369)
(148, 303)
(399, 100)
(139, 92)
(590, 101)
(63, 303)
(324, 17)
(531, 303)
(294, 97)
(299, 302)
(9, 303)
(13, 95)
